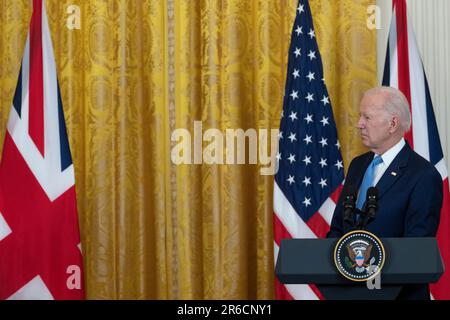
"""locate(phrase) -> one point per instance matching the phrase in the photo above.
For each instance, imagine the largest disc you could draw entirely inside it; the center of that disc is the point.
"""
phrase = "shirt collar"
(390, 155)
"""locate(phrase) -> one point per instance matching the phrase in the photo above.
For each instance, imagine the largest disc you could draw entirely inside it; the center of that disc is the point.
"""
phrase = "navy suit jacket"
(409, 202)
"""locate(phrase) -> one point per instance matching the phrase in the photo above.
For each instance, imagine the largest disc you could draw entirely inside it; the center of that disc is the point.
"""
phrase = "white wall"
(430, 20)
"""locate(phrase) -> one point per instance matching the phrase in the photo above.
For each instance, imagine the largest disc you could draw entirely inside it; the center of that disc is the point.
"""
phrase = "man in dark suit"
(410, 187)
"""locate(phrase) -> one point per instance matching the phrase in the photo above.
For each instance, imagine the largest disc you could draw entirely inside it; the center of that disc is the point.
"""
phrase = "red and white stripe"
(287, 225)
(407, 74)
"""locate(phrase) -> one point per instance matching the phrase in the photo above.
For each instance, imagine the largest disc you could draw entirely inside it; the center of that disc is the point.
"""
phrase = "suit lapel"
(394, 171)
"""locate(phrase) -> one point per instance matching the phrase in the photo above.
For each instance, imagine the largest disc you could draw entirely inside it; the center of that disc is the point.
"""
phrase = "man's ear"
(394, 124)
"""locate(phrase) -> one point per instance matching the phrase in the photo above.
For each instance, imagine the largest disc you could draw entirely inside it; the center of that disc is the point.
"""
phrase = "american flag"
(40, 252)
(310, 167)
(404, 70)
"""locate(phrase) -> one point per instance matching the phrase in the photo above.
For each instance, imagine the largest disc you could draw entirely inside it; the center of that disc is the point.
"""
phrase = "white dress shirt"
(388, 157)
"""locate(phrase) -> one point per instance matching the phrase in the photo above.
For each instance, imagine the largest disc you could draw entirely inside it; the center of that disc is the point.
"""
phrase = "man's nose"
(361, 123)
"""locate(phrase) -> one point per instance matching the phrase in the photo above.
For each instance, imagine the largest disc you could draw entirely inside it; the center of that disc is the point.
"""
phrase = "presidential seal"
(359, 256)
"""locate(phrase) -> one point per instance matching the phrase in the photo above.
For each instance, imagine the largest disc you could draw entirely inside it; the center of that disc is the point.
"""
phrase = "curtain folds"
(138, 70)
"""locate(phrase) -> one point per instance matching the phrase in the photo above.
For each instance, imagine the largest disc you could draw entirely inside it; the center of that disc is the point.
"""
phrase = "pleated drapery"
(136, 71)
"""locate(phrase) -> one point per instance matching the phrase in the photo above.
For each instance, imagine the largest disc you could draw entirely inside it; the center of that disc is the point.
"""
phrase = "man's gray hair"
(395, 103)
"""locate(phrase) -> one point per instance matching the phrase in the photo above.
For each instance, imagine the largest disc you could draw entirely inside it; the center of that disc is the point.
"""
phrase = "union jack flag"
(40, 252)
(310, 167)
(404, 70)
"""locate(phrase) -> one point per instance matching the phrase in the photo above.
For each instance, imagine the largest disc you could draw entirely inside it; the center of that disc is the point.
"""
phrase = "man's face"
(373, 122)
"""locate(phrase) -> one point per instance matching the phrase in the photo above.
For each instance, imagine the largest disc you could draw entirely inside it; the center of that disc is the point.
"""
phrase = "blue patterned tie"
(367, 181)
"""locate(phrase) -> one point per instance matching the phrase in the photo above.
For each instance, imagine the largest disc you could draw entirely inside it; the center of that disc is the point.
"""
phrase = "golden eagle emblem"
(359, 255)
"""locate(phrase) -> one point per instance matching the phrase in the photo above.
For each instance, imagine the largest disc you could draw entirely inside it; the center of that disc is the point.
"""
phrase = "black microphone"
(371, 206)
(349, 205)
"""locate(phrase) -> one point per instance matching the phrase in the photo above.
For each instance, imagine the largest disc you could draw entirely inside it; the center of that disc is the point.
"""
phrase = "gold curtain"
(137, 70)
